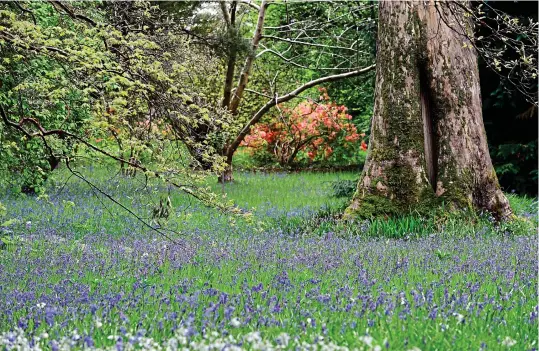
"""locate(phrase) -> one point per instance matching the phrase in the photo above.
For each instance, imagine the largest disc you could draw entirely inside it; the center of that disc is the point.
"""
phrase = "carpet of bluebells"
(82, 274)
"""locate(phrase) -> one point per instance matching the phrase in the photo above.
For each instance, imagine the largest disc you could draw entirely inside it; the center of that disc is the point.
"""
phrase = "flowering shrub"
(311, 129)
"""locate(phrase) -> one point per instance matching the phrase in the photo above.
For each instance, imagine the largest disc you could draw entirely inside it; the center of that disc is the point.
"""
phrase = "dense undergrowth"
(81, 272)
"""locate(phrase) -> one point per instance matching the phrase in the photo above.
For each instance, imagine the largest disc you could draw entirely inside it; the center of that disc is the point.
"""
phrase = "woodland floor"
(79, 272)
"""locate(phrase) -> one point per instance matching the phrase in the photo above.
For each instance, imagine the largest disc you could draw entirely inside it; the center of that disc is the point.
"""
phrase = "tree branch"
(188, 189)
(292, 41)
(25, 10)
(96, 188)
(226, 15)
(232, 57)
(293, 63)
(251, 4)
(278, 100)
(71, 13)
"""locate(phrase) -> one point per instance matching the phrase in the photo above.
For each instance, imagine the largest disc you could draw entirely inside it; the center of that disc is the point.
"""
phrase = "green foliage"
(516, 164)
(344, 188)
(37, 84)
(116, 81)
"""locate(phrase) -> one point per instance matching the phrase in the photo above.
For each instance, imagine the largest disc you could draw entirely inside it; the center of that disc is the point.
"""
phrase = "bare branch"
(293, 63)
(72, 13)
(258, 93)
(96, 188)
(250, 3)
(310, 44)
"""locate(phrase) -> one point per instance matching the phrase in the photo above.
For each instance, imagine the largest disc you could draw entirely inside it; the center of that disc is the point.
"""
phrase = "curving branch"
(62, 134)
(71, 13)
(298, 65)
(95, 188)
(251, 4)
(278, 100)
(25, 10)
(306, 43)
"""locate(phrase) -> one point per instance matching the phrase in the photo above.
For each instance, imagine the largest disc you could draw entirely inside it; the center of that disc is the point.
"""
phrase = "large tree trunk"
(428, 143)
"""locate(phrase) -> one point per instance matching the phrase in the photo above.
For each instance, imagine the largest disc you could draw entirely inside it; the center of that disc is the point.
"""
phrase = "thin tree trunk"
(428, 143)
(229, 79)
(231, 64)
(227, 175)
(246, 71)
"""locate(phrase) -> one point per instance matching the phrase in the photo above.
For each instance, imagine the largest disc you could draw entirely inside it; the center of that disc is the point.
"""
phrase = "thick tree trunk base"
(428, 144)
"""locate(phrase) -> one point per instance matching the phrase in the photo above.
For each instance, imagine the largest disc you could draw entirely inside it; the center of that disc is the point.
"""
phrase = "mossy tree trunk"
(428, 143)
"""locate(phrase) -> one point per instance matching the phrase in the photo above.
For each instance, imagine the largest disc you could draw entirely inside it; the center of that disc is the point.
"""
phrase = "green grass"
(295, 202)
(75, 246)
(72, 206)
(284, 191)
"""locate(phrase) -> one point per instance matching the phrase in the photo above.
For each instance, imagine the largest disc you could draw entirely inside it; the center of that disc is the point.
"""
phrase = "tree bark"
(231, 62)
(428, 143)
(246, 71)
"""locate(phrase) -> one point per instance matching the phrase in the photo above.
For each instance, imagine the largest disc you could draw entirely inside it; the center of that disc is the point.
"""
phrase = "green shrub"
(344, 187)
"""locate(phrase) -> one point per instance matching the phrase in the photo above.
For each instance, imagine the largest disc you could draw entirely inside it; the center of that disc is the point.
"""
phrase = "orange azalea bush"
(314, 130)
